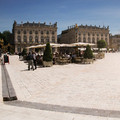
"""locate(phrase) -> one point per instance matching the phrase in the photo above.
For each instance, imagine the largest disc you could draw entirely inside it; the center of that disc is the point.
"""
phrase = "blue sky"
(64, 12)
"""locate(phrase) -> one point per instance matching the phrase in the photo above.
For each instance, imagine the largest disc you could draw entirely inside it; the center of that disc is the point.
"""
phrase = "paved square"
(68, 92)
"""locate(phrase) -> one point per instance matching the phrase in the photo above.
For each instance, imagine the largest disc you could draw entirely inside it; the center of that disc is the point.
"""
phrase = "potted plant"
(88, 55)
(47, 56)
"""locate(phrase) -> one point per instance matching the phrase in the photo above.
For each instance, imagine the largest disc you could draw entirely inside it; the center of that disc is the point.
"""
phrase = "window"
(24, 31)
(47, 39)
(30, 39)
(93, 40)
(25, 39)
(84, 40)
(79, 39)
(18, 32)
(97, 34)
(19, 39)
(88, 34)
(89, 39)
(36, 39)
(42, 39)
(53, 39)
(47, 32)
(19, 49)
(36, 32)
(53, 32)
(30, 32)
(42, 32)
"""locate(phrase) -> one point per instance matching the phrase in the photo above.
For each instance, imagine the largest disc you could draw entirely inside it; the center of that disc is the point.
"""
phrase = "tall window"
(42, 32)
(30, 39)
(25, 39)
(47, 39)
(42, 39)
(84, 39)
(89, 39)
(93, 40)
(30, 32)
(36, 32)
(18, 32)
(19, 39)
(24, 31)
(53, 39)
(47, 32)
(53, 32)
(79, 39)
(19, 49)
(36, 39)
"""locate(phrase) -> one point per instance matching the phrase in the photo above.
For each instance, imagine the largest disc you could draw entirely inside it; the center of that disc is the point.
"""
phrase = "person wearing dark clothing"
(34, 59)
(30, 61)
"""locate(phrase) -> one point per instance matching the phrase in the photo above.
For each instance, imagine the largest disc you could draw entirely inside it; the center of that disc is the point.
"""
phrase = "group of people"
(31, 58)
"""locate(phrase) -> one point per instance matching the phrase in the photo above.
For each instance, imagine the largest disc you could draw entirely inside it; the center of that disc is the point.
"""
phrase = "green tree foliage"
(7, 37)
(47, 53)
(88, 54)
(101, 44)
(24, 52)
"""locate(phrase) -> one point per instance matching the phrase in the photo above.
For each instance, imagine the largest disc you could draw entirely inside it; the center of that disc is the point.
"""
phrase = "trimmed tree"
(47, 53)
(88, 54)
(24, 52)
(101, 44)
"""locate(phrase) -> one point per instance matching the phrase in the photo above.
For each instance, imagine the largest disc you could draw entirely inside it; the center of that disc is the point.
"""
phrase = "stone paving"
(64, 92)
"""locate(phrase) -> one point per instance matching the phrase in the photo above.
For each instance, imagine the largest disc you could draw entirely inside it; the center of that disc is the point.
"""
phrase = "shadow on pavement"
(66, 109)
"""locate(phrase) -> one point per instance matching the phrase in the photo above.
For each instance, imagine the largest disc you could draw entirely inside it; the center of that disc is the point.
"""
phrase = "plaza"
(64, 92)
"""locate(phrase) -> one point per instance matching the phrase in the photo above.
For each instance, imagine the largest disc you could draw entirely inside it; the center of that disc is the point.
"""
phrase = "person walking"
(30, 61)
(34, 59)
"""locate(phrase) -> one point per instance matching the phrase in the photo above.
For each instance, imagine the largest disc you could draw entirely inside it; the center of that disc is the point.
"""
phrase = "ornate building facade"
(86, 34)
(28, 34)
(115, 42)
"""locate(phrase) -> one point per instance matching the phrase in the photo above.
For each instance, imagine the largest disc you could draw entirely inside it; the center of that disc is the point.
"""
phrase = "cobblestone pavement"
(64, 92)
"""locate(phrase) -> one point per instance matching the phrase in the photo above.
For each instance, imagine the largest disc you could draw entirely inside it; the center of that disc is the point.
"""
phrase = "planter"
(87, 61)
(47, 64)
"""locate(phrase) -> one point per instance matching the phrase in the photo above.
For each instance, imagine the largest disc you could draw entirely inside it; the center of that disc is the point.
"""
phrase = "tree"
(101, 44)
(88, 54)
(7, 37)
(47, 53)
(24, 52)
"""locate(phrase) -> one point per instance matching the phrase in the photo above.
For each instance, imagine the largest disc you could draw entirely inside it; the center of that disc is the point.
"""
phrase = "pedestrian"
(30, 61)
(34, 59)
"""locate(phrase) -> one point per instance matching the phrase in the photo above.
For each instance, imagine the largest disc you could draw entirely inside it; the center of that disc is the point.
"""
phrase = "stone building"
(115, 42)
(28, 34)
(86, 34)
